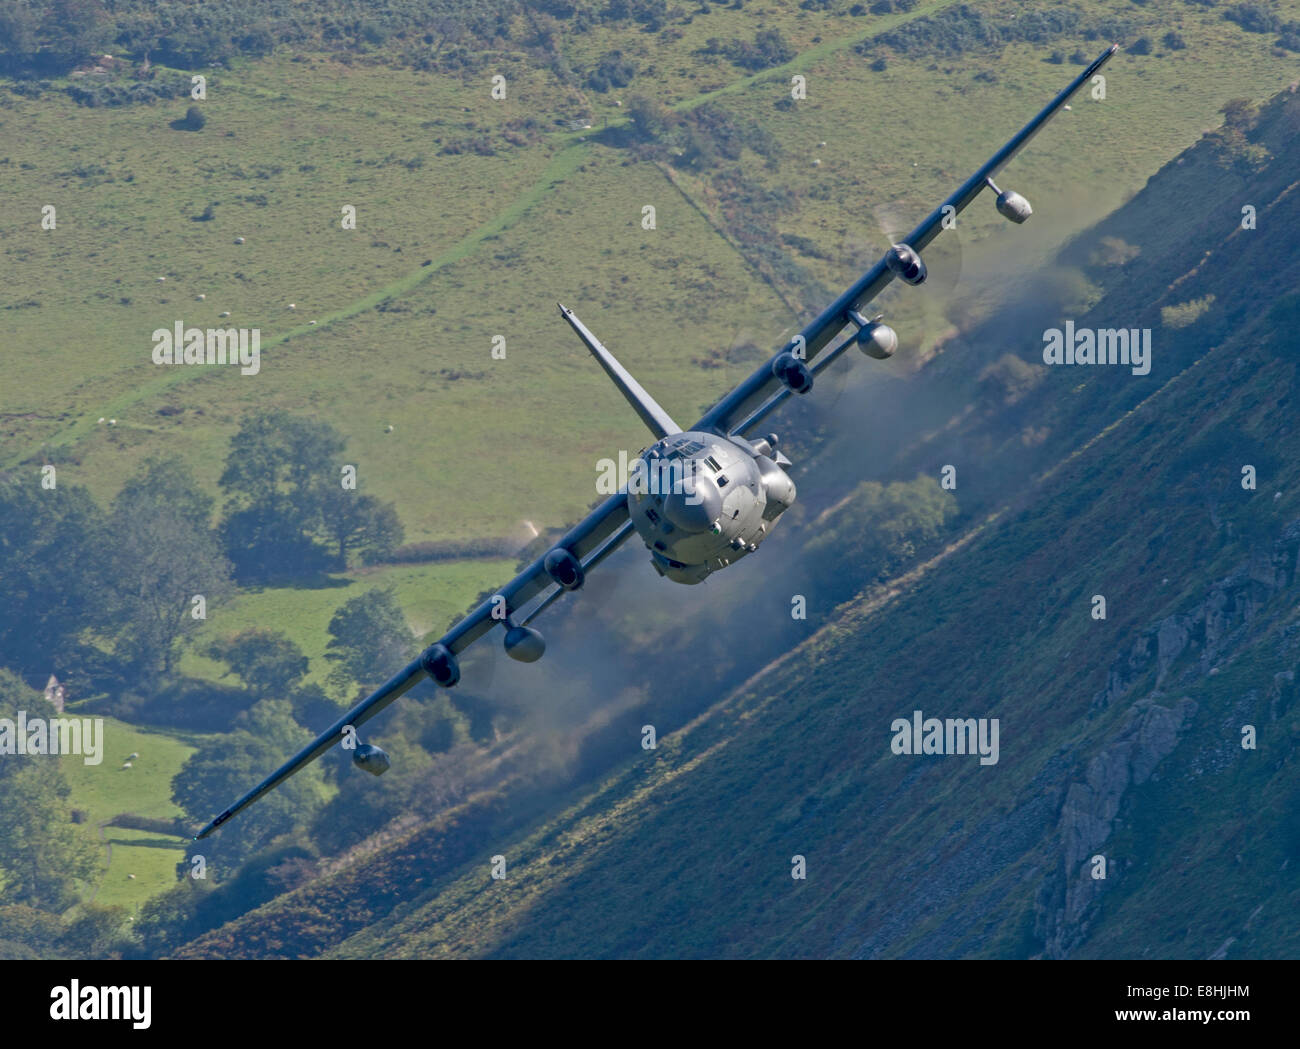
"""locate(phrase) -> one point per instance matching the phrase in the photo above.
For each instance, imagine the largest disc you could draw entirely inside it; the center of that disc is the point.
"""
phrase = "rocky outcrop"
(1175, 652)
(1147, 736)
(1208, 629)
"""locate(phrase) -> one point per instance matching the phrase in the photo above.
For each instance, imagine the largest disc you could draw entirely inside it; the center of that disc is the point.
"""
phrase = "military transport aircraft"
(727, 493)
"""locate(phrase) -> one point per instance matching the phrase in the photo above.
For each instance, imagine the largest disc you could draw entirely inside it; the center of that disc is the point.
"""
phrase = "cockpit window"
(712, 463)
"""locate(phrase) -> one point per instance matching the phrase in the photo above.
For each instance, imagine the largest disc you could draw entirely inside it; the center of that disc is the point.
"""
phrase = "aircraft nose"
(695, 504)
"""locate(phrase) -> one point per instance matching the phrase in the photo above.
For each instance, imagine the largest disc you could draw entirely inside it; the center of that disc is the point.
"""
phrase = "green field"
(433, 596)
(108, 789)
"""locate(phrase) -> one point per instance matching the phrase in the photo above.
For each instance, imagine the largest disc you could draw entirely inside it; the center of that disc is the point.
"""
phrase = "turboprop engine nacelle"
(563, 568)
(793, 372)
(905, 264)
(441, 665)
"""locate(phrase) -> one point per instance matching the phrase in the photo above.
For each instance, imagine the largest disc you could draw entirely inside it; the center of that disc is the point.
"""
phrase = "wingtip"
(561, 307)
(1113, 49)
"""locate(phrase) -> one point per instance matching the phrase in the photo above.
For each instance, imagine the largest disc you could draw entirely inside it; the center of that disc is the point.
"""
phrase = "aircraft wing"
(590, 541)
(760, 392)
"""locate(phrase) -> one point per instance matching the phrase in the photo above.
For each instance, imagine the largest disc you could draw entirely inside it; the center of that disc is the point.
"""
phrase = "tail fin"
(659, 421)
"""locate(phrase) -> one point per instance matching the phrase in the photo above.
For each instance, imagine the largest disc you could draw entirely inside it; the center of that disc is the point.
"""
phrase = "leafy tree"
(312, 707)
(269, 663)
(650, 119)
(613, 70)
(279, 473)
(49, 546)
(768, 49)
(1254, 17)
(194, 119)
(26, 932)
(226, 767)
(369, 639)
(41, 852)
(360, 522)
(95, 932)
(19, 40)
(171, 918)
(71, 31)
(163, 553)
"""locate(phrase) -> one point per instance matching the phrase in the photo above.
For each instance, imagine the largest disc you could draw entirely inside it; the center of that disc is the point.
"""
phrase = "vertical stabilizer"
(659, 421)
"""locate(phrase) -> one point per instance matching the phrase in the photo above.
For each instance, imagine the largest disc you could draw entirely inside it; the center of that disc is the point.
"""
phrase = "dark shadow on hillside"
(319, 580)
(620, 136)
(149, 843)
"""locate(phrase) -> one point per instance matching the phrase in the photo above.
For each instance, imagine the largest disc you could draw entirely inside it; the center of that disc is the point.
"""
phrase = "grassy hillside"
(140, 863)
(1121, 737)
(432, 595)
(401, 336)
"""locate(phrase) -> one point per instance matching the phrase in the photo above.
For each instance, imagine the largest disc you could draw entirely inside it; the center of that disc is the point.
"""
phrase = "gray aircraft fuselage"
(701, 501)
